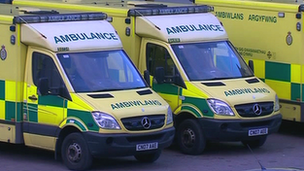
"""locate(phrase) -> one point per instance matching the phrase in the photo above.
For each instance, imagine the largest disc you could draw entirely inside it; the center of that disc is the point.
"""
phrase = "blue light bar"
(6, 1)
(59, 17)
(170, 10)
(301, 8)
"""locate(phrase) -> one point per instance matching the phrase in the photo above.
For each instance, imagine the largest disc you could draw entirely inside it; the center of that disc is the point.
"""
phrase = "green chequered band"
(201, 107)
(85, 117)
(279, 76)
(199, 103)
(277, 71)
(2, 90)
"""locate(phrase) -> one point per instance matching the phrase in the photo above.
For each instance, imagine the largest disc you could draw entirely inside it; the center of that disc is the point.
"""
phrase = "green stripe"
(12, 109)
(277, 71)
(2, 90)
(191, 110)
(9, 110)
(52, 101)
(33, 116)
(302, 93)
(82, 127)
(295, 91)
(201, 104)
(85, 117)
(180, 91)
(165, 88)
(19, 112)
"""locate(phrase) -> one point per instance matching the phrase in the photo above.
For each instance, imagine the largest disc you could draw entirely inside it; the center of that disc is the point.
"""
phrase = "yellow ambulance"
(269, 32)
(67, 85)
(192, 64)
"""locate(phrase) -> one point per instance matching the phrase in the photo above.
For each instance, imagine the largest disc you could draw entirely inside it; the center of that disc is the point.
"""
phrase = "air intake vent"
(254, 80)
(214, 84)
(144, 92)
(100, 95)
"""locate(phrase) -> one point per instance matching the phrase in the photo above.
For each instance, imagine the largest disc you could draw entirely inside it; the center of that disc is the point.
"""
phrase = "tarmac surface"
(281, 150)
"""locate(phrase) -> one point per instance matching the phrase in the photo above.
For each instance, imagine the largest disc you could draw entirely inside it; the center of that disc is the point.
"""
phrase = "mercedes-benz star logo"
(146, 123)
(257, 109)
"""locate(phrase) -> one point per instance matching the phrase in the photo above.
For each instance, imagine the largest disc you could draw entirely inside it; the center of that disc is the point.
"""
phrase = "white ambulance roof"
(183, 27)
(72, 36)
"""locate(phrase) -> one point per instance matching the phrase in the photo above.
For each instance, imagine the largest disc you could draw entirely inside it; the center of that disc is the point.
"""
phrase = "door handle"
(33, 97)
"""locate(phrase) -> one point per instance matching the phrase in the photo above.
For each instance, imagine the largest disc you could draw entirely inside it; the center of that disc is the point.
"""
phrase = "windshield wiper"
(242, 71)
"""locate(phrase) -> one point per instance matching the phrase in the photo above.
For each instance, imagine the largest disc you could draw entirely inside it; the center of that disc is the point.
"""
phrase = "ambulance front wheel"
(148, 157)
(190, 138)
(75, 152)
(255, 143)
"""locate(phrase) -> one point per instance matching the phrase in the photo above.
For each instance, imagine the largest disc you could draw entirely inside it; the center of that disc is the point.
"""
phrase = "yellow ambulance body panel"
(194, 67)
(67, 85)
(271, 34)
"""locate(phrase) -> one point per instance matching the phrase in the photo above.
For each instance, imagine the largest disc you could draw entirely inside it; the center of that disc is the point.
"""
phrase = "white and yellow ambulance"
(192, 64)
(67, 85)
(269, 32)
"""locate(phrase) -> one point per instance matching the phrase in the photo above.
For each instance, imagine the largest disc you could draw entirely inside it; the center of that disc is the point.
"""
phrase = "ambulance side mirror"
(147, 77)
(161, 78)
(180, 82)
(43, 86)
(159, 75)
(251, 66)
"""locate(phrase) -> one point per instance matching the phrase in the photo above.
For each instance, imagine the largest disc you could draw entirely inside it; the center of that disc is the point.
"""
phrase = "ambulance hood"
(71, 36)
(127, 103)
(237, 91)
(183, 28)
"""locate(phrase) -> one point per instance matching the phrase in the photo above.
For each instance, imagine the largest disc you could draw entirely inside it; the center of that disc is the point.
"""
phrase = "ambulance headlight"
(219, 107)
(105, 121)
(169, 116)
(276, 104)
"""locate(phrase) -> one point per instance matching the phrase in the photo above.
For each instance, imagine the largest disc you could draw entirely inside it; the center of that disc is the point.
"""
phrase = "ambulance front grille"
(255, 109)
(137, 123)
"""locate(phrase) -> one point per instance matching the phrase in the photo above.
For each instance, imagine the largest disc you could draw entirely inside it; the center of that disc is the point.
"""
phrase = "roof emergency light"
(301, 8)
(59, 17)
(170, 10)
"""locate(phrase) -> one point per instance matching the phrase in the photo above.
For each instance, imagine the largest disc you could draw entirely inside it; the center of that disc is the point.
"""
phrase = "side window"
(44, 67)
(158, 56)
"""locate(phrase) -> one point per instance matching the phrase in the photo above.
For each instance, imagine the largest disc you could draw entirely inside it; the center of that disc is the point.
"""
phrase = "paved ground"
(283, 149)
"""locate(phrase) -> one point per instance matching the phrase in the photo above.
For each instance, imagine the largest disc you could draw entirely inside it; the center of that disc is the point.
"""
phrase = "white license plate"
(146, 146)
(256, 132)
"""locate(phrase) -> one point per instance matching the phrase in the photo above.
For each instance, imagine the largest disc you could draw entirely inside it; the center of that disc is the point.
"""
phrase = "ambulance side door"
(158, 57)
(43, 103)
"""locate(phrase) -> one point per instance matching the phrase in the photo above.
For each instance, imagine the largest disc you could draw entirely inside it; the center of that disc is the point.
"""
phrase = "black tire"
(148, 157)
(255, 143)
(190, 137)
(75, 152)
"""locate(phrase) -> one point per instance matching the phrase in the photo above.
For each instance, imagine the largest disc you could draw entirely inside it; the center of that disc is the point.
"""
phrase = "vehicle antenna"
(33, 28)
(148, 20)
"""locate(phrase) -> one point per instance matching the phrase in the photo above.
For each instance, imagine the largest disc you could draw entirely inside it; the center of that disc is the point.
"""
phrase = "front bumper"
(237, 130)
(114, 145)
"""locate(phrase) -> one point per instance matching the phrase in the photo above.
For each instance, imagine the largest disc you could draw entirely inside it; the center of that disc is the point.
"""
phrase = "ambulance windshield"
(100, 71)
(211, 61)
